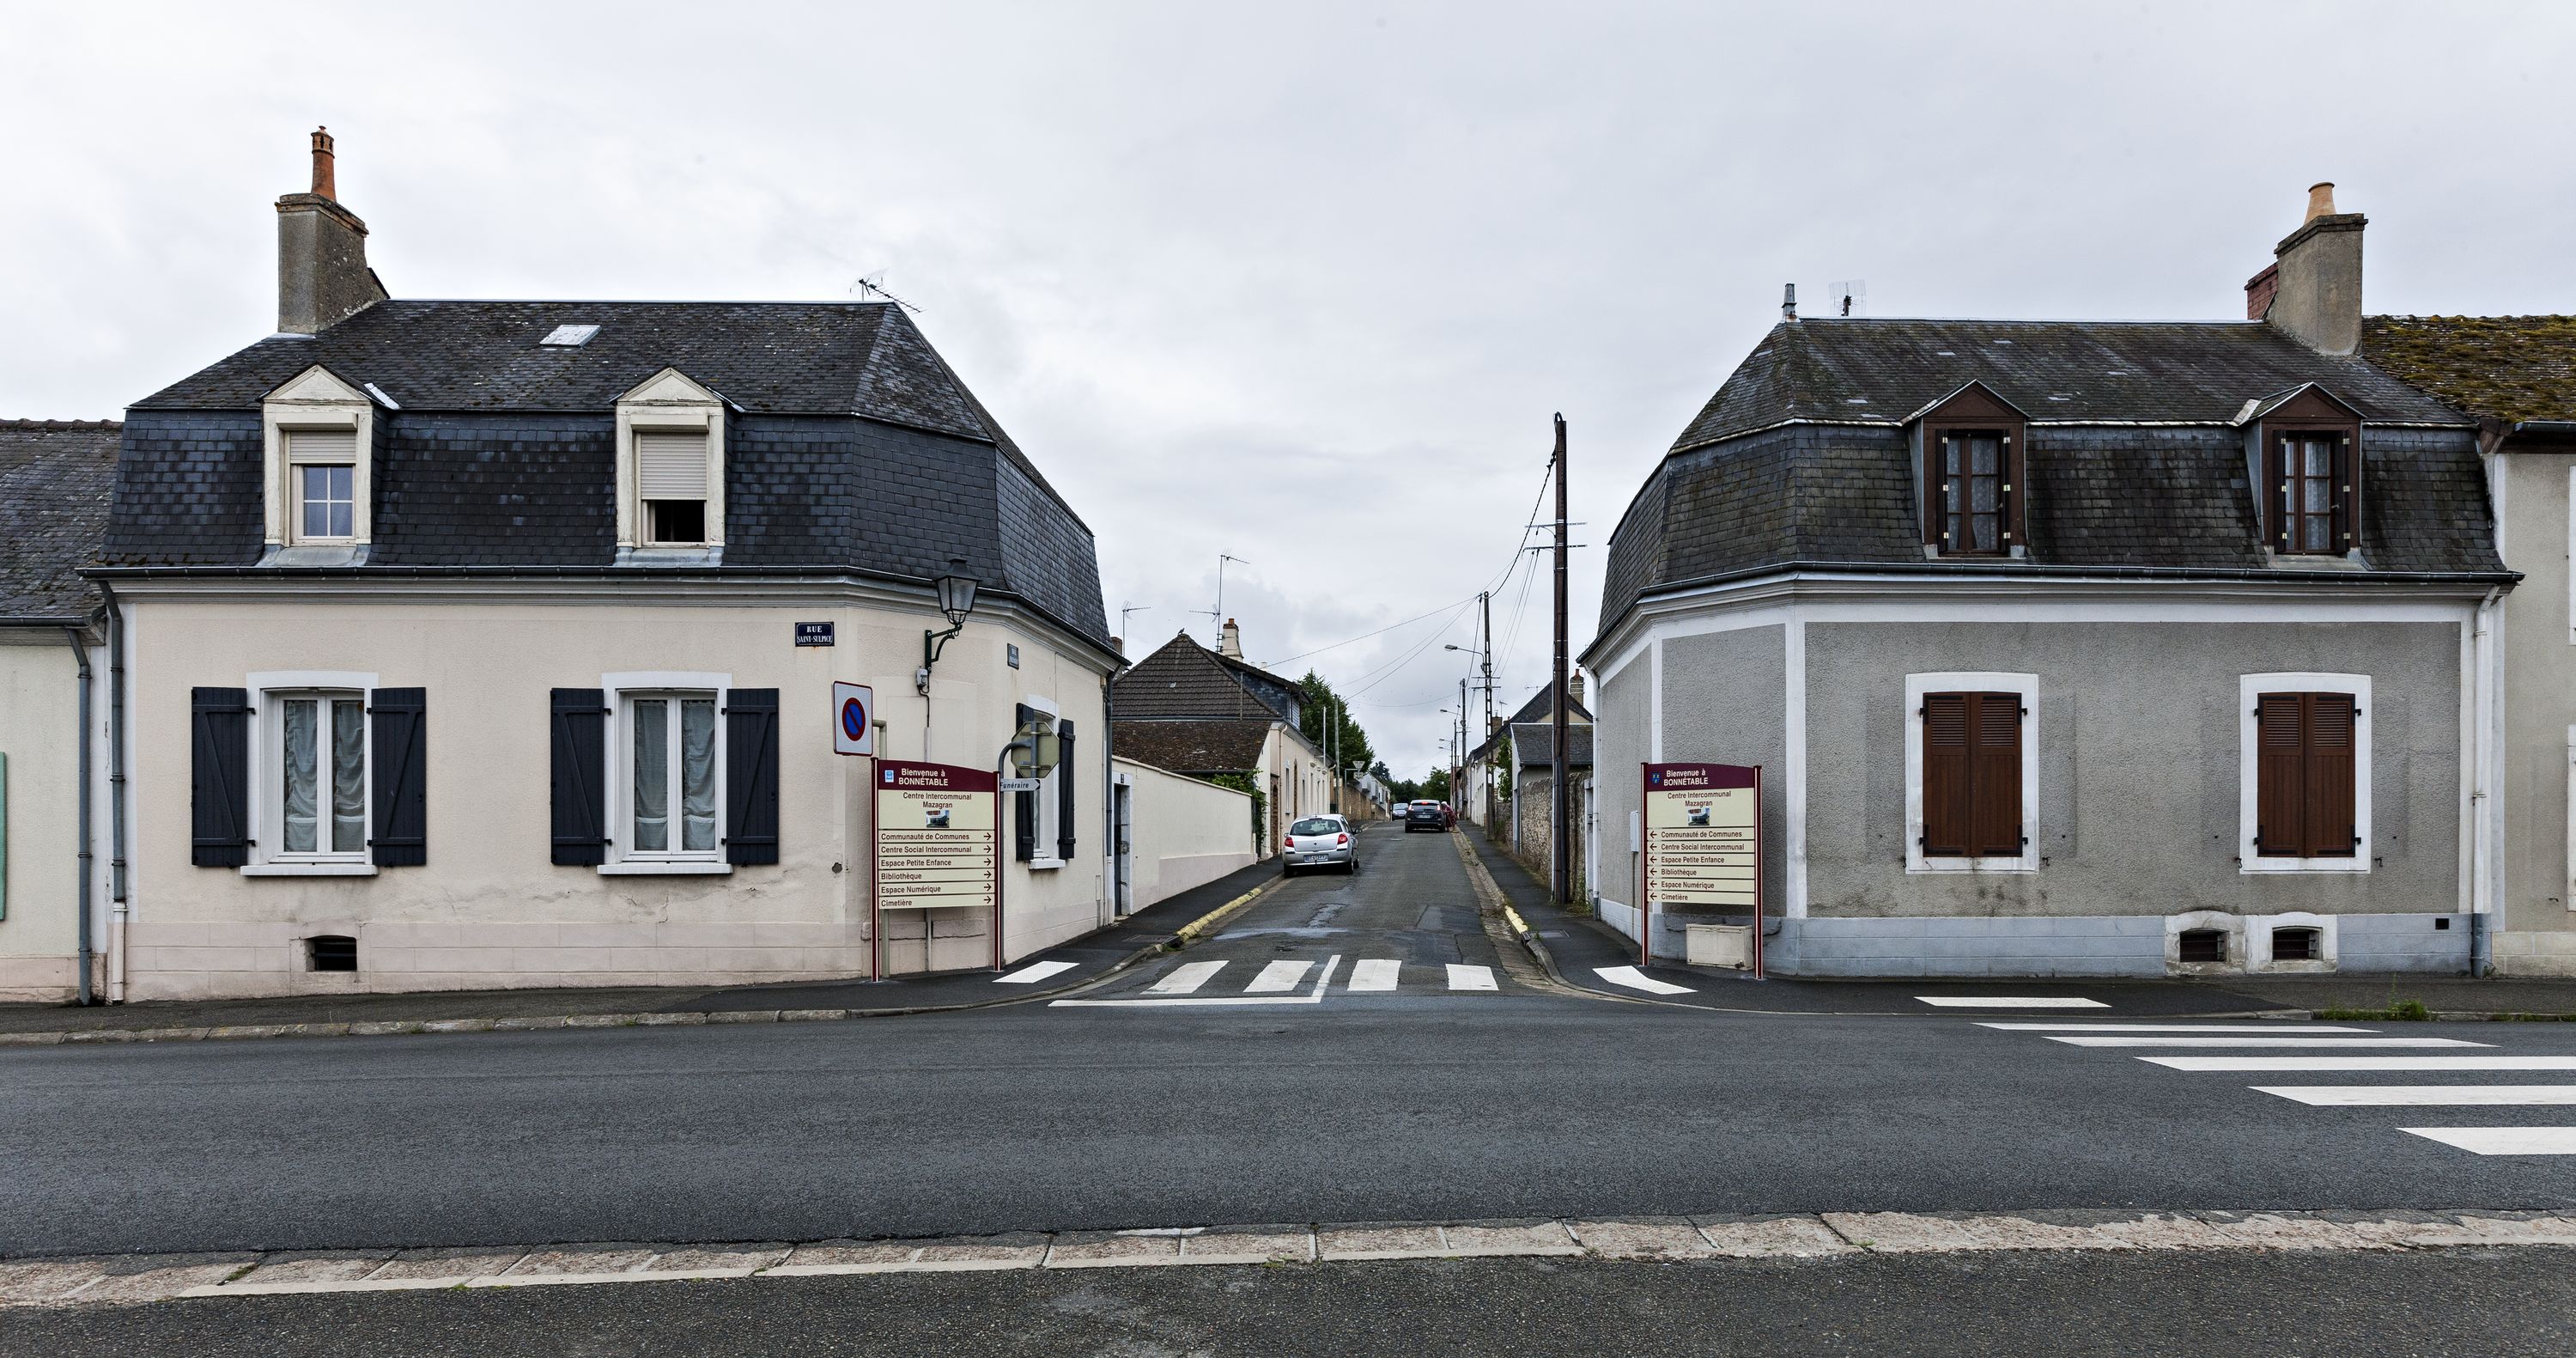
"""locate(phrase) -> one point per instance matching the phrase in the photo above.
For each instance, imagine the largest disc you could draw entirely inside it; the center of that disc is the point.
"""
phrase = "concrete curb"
(656, 1018)
(136, 1279)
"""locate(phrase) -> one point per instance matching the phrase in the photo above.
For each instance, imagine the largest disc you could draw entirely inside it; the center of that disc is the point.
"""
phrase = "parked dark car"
(1426, 816)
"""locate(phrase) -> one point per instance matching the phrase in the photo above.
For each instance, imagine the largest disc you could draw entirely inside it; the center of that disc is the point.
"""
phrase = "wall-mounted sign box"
(814, 634)
(938, 839)
(1703, 843)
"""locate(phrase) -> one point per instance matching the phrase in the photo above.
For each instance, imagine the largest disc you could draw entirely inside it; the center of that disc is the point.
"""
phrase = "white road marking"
(1151, 1001)
(2337, 1043)
(2503, 1140)
(2363, 1062)
(1185, 978)
(2169, 1028)
(2010, 1002)
(1463, 977)
(2420, 1096)
(1638, 980)
(1278, 978)
(1034, 972)
(1375, 973)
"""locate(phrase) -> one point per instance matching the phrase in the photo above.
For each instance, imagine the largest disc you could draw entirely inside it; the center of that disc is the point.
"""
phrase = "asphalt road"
(2491, 1304)
(1421, 1102)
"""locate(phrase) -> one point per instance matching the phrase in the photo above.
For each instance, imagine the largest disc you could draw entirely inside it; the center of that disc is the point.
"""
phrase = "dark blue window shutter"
(219, 777)
(580, 741)
(398, 729)
(1064, 798)
(1024, 805)
(751, 776)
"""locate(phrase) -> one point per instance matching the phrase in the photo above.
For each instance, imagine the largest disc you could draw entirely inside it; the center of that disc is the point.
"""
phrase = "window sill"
(2250, 866)
(309, 870)
(1922, 866)
(635, 869)
(1049, 864)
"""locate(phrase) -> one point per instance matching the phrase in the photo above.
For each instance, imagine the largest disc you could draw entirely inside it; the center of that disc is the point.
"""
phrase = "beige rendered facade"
(489, 908)
(40, 683)
(2531, 483)
(1182, 832)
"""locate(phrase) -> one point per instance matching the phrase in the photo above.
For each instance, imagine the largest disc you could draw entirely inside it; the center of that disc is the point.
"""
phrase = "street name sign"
(1021, 784)
(814, 633)
(938, 841)
(1703, 842)
(854, 718)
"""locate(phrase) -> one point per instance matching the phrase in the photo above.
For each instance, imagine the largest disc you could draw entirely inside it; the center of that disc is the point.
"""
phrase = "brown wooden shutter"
(2327, 825)
(2280, 775)
(1948, 818)
(2276, 493)
(2346, 466)
(1995, 774)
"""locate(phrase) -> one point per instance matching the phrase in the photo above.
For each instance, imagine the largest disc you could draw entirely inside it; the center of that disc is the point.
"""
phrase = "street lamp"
(956, 600)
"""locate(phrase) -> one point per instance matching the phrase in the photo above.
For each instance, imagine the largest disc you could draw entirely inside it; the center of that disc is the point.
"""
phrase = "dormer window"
(2306, 460)
(1968, 446)
(319, 431)
(670, 472)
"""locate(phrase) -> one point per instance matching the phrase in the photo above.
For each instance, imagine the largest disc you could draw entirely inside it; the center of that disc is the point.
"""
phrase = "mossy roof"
(2498, 367)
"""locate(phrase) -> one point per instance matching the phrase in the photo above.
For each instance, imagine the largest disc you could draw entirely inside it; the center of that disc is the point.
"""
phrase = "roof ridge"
(62, 425)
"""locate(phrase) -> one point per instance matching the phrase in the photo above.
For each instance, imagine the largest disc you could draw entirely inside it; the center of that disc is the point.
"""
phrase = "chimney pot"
(1230, 640)
(2320, 201)
(323, 180)
(1788, 301)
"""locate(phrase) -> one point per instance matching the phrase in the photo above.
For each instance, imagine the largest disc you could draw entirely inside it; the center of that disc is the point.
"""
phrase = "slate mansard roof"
(2134, 460)
(850, 444)
(55, 480)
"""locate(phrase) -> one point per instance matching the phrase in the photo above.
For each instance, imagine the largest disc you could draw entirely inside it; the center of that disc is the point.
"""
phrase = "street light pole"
(1559, 845)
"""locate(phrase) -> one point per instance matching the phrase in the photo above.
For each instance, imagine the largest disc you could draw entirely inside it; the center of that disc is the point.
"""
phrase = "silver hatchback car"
(1319, 842)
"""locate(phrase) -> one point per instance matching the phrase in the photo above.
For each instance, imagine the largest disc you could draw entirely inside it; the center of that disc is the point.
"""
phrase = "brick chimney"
(2312, 289)
(322, 273)
(1229, 640)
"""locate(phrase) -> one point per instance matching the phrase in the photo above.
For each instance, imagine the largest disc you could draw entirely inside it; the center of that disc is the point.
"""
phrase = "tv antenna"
(1853, 293)
(1126, 610)
(872, 286)
(1221, 559)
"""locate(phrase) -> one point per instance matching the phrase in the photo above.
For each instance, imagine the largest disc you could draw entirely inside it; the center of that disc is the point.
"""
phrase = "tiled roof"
(1531, 740)
(1206, 746)
(56, 478)
(1846, 370)
(2500, 367)
(1802, 457)
(785, 358)
(1185, 679)
(1535, 710)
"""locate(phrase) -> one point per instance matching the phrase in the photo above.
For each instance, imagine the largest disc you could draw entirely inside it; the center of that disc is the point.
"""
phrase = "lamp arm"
(932, 643)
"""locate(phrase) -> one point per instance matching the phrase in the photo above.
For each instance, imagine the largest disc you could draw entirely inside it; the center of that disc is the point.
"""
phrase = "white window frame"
(316, 401)
(1049, 795)
(297, 501)
(269, 691)
(2249, 689)
(1917, 688)
(669, 402)
(624, 859)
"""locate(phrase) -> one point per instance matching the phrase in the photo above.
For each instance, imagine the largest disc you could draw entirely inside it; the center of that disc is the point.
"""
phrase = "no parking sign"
(854, 717)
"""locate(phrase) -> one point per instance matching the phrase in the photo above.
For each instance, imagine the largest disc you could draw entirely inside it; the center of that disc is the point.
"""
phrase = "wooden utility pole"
(1560, 846)
(1485, 658)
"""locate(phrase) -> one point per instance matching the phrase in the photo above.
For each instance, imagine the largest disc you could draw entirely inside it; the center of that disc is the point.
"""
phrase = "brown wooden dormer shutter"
(2347, 470)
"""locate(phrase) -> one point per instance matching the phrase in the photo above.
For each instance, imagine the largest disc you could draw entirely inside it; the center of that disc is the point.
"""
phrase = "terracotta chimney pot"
(2320, 201)
(323, 185)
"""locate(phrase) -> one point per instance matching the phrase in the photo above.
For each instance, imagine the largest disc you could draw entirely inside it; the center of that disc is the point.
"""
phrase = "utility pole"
(1560, 846)
(1458, 756)
(1485, 658)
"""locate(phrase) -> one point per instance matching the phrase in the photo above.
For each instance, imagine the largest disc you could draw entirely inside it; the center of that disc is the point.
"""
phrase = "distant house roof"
(1185, 679)
(1197, 747)
(1840, 370)
(1537, 710)
(1530, 740)
(2508, 368)
(2135, 461)
(56, 480)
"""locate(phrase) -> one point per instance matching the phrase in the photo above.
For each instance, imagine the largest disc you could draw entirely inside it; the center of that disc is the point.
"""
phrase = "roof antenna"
(868, 285)
(1854, 292)
(1789, 302)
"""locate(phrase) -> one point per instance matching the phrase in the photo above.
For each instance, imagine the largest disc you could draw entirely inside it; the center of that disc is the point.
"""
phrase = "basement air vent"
(2295, 945)
(332, 952)
(569, 336)
(2204, 945)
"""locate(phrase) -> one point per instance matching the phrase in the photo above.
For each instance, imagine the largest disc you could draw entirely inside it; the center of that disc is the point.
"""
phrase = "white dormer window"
(670, 471)
(318, 431)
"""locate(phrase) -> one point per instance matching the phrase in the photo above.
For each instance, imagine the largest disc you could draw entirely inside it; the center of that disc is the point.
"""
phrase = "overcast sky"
(1302, 282)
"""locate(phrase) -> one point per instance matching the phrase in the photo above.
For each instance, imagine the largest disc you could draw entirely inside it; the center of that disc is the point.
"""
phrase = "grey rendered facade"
(1775, 597)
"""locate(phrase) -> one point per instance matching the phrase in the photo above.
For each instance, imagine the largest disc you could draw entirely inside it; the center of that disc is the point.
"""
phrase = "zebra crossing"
(2320, 1048)
(1222, 984)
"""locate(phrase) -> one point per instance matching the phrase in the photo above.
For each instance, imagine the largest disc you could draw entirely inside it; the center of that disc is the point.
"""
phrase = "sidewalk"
(1154, 928)
(1577, 949)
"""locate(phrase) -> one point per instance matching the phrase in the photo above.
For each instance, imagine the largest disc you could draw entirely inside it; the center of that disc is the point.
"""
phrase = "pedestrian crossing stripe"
(1033, 973)
(1155, 997)
(2266, 1027)
(1634, 979)
(2502, 1140)
(1281, 982)
(1373, 974)
(2010, 1002)
(2422, 1096)
(2240, 1040)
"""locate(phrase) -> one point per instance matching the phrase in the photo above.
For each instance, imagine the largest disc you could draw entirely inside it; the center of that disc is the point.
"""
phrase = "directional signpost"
(1703, 844)
(939, 840)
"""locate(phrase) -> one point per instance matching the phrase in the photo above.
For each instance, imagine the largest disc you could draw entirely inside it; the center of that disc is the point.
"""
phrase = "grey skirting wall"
(2073, 945)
